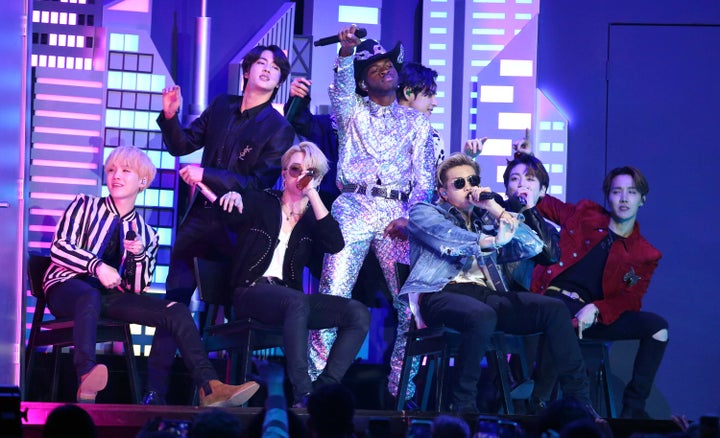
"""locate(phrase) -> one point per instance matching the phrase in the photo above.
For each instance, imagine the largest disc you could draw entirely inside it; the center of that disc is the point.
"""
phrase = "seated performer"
(603, 274)
(102, 261)
(455, 282)
(281, 230)
(526, 182)
(242, 139)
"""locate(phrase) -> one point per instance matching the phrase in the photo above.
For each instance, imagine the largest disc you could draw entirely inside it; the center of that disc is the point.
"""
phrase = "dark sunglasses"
(295, 170)
(473, 180)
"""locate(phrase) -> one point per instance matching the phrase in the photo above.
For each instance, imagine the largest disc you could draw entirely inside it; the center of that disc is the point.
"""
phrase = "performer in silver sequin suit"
(386, 164)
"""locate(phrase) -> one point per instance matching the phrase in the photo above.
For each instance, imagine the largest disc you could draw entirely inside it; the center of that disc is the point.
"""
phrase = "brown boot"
(91, 383)
(223, 395)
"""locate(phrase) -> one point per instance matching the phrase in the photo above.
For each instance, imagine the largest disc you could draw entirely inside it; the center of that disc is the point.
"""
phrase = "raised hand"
(348, 40)
(300, 87)
(474, 146)
(523, 146)
(171, 100)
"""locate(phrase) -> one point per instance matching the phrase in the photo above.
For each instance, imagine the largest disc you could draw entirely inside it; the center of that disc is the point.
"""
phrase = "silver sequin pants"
(363, 220)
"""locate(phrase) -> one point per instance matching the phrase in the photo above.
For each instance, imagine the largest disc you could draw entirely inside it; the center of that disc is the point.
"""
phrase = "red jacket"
(629, 266)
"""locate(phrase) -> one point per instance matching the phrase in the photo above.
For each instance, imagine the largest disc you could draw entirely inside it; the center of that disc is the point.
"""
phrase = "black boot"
(649, 355)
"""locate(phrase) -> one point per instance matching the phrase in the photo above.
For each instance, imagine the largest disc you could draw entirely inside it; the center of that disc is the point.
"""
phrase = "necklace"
(296, 214)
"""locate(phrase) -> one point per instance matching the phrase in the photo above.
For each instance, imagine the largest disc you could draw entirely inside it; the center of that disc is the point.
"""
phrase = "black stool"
(439, 344)
(596, 353)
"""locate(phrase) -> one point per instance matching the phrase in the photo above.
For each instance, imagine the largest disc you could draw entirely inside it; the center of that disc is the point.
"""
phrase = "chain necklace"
(289, 213)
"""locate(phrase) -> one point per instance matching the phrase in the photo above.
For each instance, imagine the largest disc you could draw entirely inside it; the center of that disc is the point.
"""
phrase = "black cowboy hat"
(369, 52)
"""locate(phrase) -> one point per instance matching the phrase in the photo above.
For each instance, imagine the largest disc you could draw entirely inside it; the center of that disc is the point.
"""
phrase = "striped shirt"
(80, 234)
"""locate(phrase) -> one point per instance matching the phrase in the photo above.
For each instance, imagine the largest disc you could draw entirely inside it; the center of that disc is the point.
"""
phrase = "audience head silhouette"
(331, 409)
(69, 421)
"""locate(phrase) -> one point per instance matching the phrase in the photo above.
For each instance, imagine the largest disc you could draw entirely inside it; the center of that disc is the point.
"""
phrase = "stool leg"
(29, 366)
(135, 391)
(443, 370)
(404, 380)
(56, 373)
(605, 380)
(430, 375)
(505, 389)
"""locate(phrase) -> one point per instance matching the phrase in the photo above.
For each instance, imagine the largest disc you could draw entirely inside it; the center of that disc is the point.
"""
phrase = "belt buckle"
(354, 188)
(380, 192)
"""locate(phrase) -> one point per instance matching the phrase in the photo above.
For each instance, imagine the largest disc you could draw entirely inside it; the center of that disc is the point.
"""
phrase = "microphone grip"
(360, 32)
(205, 190)
(516, 203)
(294, 105)
(486, 196)
(128, 268)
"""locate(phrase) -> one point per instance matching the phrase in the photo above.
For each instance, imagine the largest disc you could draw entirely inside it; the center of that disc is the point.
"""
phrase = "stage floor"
(124, 420)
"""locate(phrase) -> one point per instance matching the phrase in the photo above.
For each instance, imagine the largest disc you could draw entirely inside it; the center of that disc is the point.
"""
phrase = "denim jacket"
(439, 243)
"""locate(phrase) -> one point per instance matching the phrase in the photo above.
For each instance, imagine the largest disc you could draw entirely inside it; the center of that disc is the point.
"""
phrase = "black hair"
(533, 167)
(418, 78)
(279, 58)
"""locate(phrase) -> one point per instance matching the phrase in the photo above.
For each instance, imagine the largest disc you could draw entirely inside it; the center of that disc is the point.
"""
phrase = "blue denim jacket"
(439, 242)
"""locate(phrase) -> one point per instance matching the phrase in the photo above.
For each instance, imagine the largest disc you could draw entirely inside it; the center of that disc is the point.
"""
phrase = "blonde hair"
(134, 158)
(455, 159)
(314, 157)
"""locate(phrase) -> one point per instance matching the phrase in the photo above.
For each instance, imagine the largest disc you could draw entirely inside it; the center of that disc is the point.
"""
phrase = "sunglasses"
(473, 180)
(295, 170)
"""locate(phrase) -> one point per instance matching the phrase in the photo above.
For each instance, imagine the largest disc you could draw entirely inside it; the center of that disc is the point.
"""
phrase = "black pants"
(86, 303)
(297, 312)
(477, 311)
(630, 325)
(202, 234)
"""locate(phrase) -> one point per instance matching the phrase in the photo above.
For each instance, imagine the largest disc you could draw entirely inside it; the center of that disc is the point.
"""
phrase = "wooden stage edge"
(125, 420)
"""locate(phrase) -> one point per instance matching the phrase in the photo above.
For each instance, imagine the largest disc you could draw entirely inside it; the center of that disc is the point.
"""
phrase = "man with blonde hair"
(102, 261)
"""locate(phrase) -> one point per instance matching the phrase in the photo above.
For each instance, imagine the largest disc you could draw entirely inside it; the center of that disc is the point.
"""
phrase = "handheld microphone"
(516, 203)
(360, 32)
(486, 196)
(294, 105)
(305, 180)
(205, 190)
(129, 263)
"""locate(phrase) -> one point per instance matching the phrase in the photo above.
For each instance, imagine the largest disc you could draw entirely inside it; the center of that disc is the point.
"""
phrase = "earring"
(362, 85)
(143, 181)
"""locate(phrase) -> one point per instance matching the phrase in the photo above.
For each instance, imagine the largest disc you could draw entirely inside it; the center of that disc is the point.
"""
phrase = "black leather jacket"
(519, 274)
(258, 230)
(236, 154)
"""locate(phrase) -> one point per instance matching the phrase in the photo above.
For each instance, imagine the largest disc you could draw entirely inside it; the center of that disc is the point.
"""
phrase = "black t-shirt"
(112, 255)
(585, 277)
